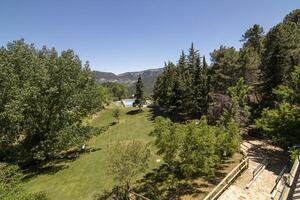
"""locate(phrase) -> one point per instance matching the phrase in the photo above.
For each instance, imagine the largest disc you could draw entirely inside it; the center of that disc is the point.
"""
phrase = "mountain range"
(129, 78)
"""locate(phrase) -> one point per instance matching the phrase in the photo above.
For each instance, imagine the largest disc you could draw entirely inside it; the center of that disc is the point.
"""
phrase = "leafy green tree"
(42, 96)
(199, 152)
(127, 160)
(117, 90)
(228, 137)
(117, 114)
(139, 94)
(195, 148)
(239, 94)
(10, 184)
(169, 137)
(104, 95)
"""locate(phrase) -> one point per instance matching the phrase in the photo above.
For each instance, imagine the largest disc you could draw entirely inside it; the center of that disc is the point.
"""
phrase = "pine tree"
(201, 89)
(139, 94)
(279, 58)
(177, 108)
(250, 57)
(225, 68)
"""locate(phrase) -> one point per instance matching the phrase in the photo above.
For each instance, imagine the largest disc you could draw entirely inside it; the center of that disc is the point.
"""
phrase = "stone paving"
(261, 189)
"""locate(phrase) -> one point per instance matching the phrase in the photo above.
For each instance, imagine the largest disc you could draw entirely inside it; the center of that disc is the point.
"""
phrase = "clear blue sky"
(129, 35)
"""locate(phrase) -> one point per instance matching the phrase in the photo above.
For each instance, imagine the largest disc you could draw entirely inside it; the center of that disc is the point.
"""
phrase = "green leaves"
(41, 94)
(116, 114)
(10, 180)
(282, 123)
(183, 90)
(195, 148)
(139, 94)
(127, 159)
(279, 58)
(225, 68)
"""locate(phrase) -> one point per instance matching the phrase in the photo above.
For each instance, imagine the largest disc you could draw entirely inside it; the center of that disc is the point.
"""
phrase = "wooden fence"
(228, 180)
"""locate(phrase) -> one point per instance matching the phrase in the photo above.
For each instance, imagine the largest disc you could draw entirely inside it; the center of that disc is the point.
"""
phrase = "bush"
(196, 147)
(282, 122)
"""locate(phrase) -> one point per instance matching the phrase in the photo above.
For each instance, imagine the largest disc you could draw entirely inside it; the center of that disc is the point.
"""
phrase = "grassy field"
(86, 176)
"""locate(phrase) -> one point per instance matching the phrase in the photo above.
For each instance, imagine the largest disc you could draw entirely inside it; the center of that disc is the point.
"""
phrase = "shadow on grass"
(156, 111)
(134, 112)
(168, 183)
(112, 123)
(49, 170)
(165, 183)
(56, 164)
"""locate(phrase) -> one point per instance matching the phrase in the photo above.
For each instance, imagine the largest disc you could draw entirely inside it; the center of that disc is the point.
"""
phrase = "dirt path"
(261, 189)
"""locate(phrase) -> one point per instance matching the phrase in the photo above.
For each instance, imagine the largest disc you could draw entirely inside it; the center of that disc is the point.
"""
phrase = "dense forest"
(267, 67)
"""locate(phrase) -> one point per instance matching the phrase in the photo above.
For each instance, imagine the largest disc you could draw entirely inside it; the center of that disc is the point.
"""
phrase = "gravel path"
(261, 189)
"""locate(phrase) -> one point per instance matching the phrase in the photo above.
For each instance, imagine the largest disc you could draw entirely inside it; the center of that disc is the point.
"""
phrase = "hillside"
(129, 78)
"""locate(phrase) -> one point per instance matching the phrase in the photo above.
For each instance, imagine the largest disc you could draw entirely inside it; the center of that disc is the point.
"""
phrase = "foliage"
(225, 68)
(10, 189)
(116, 114)
(282, 122)
(139, 94)
(169, 137)
(117, 193)
(220, 104)
(127, 160)
(195, 148)
(87, 174)
(279, 58)
(293, 17)
(117, 90)
(183, 90)
(42, 94)
(239, 94)
(105, 97)
(199, 151)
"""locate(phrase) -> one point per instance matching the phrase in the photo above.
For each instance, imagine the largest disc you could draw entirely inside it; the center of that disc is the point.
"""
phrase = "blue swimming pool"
(128, 102)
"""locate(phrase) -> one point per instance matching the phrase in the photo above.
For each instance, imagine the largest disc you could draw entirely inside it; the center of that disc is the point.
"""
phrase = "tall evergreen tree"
(253, 37)
(250, 56)
(279, 58)
(201, 89)
(176, 106)
(164, 85)
(139, 94)
(225, 68)
(293, 17)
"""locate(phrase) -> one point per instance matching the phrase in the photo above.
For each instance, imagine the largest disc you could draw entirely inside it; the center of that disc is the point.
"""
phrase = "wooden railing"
(228, 180)
(278, 181)
(291, 180)
(257, 171)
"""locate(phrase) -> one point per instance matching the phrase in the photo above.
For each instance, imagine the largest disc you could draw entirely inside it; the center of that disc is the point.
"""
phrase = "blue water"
(128, 102)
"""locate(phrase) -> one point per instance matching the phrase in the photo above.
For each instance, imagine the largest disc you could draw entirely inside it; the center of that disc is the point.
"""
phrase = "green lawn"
(86, 176)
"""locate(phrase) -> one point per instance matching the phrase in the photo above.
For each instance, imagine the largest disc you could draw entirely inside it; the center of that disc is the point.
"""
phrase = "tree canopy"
(43, 99)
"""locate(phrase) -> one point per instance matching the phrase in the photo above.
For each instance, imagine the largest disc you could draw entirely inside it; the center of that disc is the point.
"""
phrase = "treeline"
(190, 88)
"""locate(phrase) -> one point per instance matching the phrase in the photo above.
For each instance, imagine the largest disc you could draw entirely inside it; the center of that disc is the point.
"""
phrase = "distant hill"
(129, 78)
